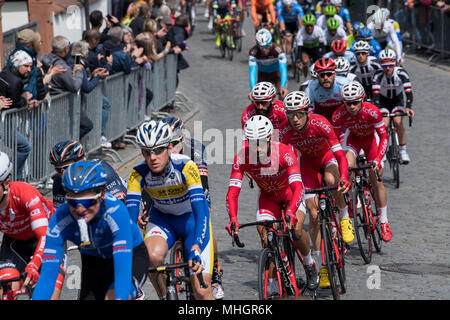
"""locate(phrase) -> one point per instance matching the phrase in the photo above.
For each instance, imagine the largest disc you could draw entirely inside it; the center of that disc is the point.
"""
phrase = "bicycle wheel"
(266, 259)
(375, 225)
(340, 247)
(230, 53)
(396, 167)
(238, 37)
(329, 258)
(361, 226)
(184, 288)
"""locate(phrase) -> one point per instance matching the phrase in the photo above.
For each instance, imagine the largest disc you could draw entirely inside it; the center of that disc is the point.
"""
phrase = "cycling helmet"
(264, 91)
(83, 176)
(365, 33)
(342, 65)
(65, 151)
(387, 56)
(296, 100)
(312, 72)
(288, 3)
(6, 167)
(263, 38)
(379, 17)
(361, 46)
(338, 46)
(151, 134)
(309, 19)
(177, 125)
(357, 25)
(352, 91)
(329, 11)
(332, 24)
(258, 127)
(324, 64)
(386, 12)
(336, 2)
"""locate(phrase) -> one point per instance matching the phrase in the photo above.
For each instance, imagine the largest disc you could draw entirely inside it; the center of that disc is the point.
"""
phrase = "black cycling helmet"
(177, 125)
(65, 151)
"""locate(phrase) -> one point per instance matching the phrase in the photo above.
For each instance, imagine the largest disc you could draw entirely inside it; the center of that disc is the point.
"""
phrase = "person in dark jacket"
(177, 35)
(120, 59)
(137, 25)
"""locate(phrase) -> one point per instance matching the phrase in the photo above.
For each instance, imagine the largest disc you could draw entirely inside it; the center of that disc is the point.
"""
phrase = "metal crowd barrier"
(59, 118)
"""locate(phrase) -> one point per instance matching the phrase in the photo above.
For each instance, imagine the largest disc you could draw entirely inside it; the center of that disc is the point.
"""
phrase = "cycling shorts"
(273, 77)
(313, 53)
(312, 170)
(172, 228)
(269, 208)
(291, 27)
(392, 105)
(97, 275)
(368, 144)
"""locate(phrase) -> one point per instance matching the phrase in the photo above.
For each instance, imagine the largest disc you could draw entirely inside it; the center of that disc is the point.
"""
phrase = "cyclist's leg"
(305, 62)
(398, 124)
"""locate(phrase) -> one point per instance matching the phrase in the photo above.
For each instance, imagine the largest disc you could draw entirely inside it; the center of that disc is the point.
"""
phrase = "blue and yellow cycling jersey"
(177, 192)
(289, 17)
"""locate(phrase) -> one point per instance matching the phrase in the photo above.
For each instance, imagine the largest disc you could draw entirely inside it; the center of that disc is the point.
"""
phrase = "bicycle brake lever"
(345, 195)
(200, 276)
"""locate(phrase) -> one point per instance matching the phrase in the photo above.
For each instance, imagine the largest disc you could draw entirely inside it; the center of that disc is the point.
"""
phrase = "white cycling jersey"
(340, 34)
(311, 40)
(366, 72)
(322, 21)
(387, 34)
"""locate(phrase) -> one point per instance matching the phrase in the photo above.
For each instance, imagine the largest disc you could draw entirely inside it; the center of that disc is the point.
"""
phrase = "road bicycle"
(227, 36)
(332, 246)
(393, 150)
(278, 256)
(9, 274)
(366, 216)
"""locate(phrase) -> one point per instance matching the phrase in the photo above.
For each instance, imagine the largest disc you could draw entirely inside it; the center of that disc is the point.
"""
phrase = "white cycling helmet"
(296, 100)
(312, 72)
(263, 38)
(386, 12)
(387, 56)
(336, 2)
(288, 2)
(342, 65)
(154, 134)
(6, 167)
(352, 91)
(264, 91)
(258, 127)
(379, 17)
(361, 46)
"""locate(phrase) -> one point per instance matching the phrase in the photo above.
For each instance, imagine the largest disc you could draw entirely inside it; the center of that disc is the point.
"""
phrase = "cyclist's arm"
(253, 70)
(336, 148)
(382, 134)
(198, 202)
(403, 75)
(272, 12)
(376, 87)
(234, 188)
(134, 191)
(282, 64)
(398, 48)
(253, 12)
(295, 181)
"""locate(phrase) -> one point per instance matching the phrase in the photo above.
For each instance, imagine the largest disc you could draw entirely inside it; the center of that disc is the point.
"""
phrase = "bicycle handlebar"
(321, 189)
(392, 115)
(166, 267)
(365, 167)
(235, 236)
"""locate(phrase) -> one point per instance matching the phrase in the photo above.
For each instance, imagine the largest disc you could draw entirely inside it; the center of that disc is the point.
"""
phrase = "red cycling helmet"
(325, 64)
(339, 46)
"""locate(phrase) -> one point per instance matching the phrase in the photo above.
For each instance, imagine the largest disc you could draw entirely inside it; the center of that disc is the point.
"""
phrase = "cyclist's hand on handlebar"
(283, 92)
(143, 220)
(32, 275)
(344, 186)
(236, 226)
(195, 254)
(410, 112)
(291, 219)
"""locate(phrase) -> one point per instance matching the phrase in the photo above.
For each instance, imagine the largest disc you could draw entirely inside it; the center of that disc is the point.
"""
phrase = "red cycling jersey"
(26, 216)
(277, 114)
(358, 132)
(280, 180)
(316, 143)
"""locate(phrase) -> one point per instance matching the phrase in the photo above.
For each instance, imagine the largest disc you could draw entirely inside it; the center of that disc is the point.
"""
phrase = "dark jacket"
(177, 35)
(137, 25)
(11, 86)
(121, 60)
(66, 82)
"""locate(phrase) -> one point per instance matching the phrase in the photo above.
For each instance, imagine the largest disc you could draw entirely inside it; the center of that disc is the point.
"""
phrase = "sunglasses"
(361, 53)
(84, 202)
(386, 66)
(61, 170)
(298, 114)
(261, 102)
(157, 151)
(352, 103)
(325, 74)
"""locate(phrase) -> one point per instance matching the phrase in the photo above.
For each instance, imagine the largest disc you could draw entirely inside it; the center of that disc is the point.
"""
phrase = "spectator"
(155, 8)
(151, 30)
(96, 19)
(131, 11)
(13, 95)
(92, 37)
(128, 40)
(164, 26)
(120, 59)
(177, 35)
(143, 12)
(68, 81)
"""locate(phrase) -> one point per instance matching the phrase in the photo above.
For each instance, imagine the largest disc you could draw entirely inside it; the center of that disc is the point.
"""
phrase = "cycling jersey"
(322, 21)
(326, 101)
(391, 88)
(358, 132)
(26, 217)
(290, 17)
(261, 7)
(115, 185)
(224, 11)
(275, 61)
(366, 72)
(313, 40)
(112, 234)
(273, 179)
(375, 48)
(340, 34)
(387, 36)
(344, 13)
(177, 192)
(349, 55)
(350, 76)
(277, 114)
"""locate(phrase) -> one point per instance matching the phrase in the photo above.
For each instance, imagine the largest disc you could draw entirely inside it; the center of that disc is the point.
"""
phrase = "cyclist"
(319, 152)
(342, 69)
(365, 66)
(310, 43)
(365, 34)
(195, 150)
(267, 62)
(290, 15)
(328, 13)
(325, 92)
(360, 126)
(24, 216)
(223, 9)
(388, 86)
(313, 75)
(263, 103)
(332, 32)
(344, 14)
(339, 49)
(396, 25)
(352, 37)
(67, 152)
(263, 11)
(179, 207)
(273, 166)
(113, 256)
(384, 32)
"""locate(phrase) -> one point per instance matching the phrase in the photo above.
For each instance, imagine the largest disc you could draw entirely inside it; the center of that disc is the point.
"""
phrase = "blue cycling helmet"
(83, 176)
(365, 33)
(357, 25)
